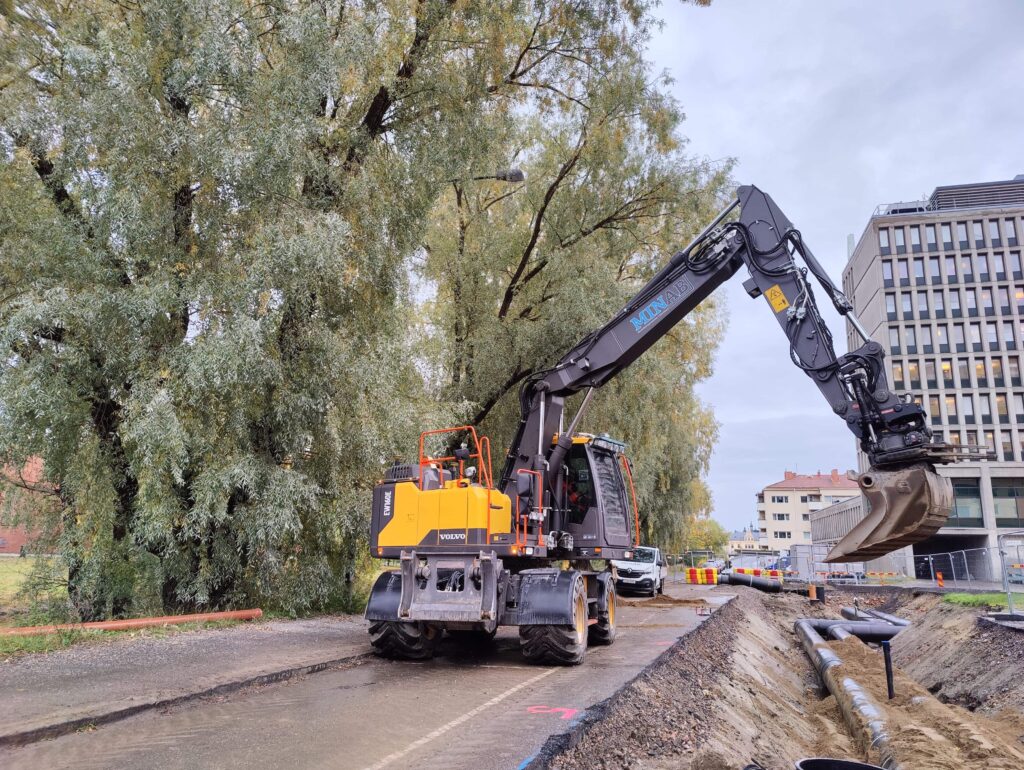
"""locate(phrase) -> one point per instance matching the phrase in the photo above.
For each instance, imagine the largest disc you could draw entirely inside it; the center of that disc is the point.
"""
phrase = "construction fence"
(979, 568)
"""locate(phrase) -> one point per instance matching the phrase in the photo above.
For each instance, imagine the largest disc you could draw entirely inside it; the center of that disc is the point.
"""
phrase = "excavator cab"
(598, 509)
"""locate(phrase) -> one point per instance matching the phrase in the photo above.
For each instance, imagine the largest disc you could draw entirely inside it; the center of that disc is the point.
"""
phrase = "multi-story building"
(939, 283)
(784, 508)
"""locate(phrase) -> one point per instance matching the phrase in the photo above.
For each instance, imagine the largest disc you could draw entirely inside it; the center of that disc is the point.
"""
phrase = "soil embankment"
(740, 689)
(958, 658)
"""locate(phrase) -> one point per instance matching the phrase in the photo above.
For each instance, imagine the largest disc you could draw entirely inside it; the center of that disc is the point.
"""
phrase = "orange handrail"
(526, 525)
(632, 490)
(482, 455)
(485, 466)
(485, 446)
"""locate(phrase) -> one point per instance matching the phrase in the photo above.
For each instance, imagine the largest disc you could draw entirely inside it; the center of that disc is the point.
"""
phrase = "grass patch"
(13, 573)
(14, 646)
(993, 600)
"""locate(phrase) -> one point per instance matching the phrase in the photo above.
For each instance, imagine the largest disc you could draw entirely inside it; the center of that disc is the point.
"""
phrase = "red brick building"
(13, 538)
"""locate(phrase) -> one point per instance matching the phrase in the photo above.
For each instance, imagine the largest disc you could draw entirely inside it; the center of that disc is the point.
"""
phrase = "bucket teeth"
(905, 506)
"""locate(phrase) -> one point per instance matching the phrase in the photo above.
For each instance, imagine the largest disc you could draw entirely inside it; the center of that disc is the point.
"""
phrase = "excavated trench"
(741, 689)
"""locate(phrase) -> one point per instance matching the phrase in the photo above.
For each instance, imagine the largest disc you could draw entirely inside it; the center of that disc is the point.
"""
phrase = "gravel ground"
(666, 710)
(737, 689)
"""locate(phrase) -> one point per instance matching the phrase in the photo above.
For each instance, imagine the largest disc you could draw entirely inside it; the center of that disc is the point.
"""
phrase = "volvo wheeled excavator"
(475, 553)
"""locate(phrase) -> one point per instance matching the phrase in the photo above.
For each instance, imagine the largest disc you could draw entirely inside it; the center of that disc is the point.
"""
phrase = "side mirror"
(524, 482)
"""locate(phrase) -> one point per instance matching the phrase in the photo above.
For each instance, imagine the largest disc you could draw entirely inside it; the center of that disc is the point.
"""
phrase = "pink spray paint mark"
(566, 713)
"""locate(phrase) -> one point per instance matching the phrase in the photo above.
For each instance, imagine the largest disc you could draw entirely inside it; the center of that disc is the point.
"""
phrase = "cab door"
(611, 490)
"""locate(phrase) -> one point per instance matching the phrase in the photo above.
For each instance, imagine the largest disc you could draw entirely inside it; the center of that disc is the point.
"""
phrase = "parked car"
(645, 571)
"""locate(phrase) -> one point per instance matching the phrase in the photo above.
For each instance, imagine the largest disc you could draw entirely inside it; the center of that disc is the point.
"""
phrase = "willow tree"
(208, 212)
(522, 271)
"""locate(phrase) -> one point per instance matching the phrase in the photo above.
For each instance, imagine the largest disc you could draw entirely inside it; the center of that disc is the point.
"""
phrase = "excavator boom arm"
(893, 432)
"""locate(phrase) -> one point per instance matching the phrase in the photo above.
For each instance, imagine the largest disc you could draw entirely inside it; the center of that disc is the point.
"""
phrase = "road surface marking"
(458, 721)
(566, 713)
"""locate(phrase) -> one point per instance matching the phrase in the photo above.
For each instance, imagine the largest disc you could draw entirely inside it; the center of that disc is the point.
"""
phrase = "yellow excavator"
(476, 553)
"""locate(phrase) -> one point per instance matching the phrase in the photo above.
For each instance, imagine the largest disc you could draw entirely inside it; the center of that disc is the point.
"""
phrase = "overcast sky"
(832, 108)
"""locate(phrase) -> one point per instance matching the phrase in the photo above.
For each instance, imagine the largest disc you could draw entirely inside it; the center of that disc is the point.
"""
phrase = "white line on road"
(458, 721)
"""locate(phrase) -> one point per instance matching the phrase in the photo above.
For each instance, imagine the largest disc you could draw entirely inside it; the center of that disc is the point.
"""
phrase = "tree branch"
(538, 221)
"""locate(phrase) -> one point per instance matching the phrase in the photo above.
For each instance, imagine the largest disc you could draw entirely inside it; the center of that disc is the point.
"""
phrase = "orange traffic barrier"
(938, 579)
(883, 575)
(775, 574)
(133, 623)
(706, 576)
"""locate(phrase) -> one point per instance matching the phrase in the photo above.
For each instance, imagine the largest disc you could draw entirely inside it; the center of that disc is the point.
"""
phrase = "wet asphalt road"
(470, 707)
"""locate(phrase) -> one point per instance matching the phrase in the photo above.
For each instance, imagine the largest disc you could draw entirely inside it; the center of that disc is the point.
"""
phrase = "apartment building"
(939, 283)
(784, 508)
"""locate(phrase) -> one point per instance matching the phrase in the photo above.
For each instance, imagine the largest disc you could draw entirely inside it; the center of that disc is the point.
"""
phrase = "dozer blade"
(906, 506)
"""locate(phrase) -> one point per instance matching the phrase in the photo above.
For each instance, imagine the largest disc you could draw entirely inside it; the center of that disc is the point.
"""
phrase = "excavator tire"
(603, 632)
(406, 641)
(560, 645)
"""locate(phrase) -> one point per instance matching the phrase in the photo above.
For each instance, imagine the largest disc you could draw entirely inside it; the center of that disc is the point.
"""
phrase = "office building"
(939, 283)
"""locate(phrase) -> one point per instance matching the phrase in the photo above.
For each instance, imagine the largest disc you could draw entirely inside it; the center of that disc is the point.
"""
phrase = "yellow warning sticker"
(776, 299)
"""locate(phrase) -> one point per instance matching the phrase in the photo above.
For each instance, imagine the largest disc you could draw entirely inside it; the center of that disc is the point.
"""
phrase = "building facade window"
(947, 373)
(966, 503)
(780, 498)
(1008, 501)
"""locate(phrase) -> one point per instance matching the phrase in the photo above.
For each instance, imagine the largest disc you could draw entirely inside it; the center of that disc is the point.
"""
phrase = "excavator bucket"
(905, 507)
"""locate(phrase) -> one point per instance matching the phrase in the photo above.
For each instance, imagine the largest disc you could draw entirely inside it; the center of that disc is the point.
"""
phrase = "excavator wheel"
(560, 645)
(408, 641)
(603, 632)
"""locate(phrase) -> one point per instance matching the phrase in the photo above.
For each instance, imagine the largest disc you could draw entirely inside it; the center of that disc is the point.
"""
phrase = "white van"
(645, 571)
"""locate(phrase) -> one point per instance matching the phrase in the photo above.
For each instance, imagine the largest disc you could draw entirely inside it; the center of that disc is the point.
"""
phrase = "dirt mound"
(949, 651)
(927, 733)
(737, 689)
(664, 600)
(741, 689)
(960, 659)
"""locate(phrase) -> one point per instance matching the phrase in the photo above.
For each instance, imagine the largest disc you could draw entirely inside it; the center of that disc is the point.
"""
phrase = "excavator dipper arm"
(908, 500)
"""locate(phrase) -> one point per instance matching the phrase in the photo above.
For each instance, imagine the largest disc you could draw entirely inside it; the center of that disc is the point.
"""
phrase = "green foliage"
(523, 272)
(235, 281)
(704, 534)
